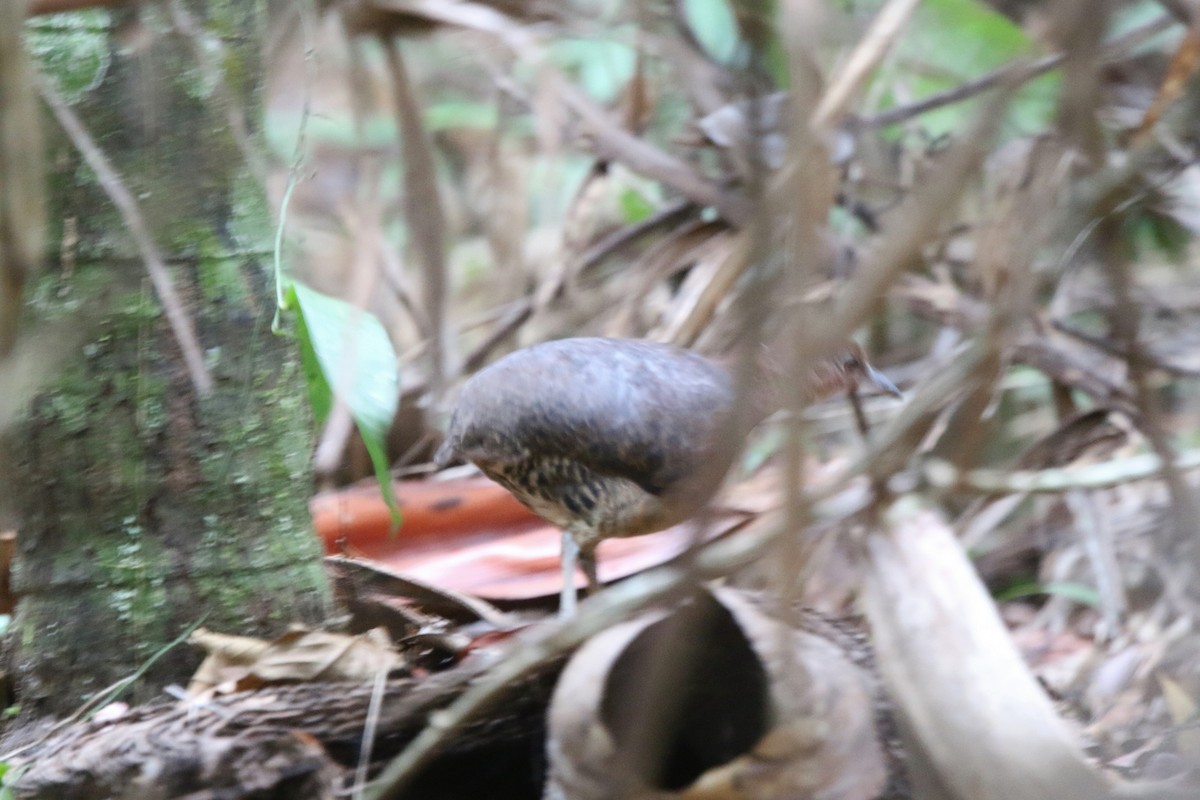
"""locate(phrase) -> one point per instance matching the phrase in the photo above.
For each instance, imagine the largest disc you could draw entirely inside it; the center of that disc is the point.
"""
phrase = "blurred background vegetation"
(356, 204)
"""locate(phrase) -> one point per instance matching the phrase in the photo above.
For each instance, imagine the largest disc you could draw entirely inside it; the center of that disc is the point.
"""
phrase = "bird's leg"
(570, 556)
(587, 562)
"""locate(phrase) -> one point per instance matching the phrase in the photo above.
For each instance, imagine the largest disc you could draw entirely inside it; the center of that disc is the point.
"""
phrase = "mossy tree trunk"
(142, 509)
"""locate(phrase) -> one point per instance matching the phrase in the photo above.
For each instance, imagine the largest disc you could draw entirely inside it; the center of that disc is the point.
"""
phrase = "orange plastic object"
(471, 535)
(435, 514)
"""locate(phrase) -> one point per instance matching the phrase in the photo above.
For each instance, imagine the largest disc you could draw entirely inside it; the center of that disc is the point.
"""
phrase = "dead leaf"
(1182, 708)
(239, 663)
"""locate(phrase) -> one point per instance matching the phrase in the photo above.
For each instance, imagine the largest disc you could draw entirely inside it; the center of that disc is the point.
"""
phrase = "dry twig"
(114, 187)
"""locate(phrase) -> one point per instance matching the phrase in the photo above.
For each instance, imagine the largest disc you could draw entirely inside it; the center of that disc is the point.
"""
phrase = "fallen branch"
(942, 475)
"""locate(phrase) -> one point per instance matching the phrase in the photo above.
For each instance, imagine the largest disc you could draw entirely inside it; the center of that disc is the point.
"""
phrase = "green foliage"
(634, 206)
(715, 28)
(74, 48)
(8, 775)
(346, 353)
(1076, 592)
(6, 779)
(1130, 15)
(452, 114)
(553, 185)
(602, 66)
(1152, 233)
(846, 224)
(949, 42)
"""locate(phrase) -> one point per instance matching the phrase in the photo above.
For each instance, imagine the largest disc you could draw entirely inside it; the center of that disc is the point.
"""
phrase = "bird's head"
(846, 369)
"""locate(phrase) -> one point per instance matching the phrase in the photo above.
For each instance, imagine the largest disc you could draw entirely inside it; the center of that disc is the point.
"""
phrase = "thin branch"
(461, 13)
(423, 204)
(1180, 70)
(369, 732)
(299, 149)
(615, 143)
(508, 324)
(1118, 350)
(1008, 75)
(916, 221)
(720, 271)
(964, 91)
(942, 475)
(177, 318)
(609, 139)
(668, 216)
(875, 44)
(1183, 10)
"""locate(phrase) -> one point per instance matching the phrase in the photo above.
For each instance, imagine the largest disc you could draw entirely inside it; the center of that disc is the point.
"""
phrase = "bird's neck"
(770, 385)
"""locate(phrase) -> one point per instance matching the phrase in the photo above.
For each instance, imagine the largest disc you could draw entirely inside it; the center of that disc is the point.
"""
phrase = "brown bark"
(264, 740)
(142, 510)
(39, 7)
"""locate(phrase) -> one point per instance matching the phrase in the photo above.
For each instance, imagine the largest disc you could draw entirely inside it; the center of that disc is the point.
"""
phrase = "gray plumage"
(615, 437)
(605, 437)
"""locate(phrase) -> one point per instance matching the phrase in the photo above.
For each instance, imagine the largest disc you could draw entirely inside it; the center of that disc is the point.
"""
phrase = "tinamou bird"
(614, 437)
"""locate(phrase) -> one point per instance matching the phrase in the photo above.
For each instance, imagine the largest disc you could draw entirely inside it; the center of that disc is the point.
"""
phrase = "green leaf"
(603, 66)
(346, 353)
(715, 27)
(1128, 16)
(634, 206)
(451, 114)
(553, 184)
(8, 776)
(1156, 233)
(320, 395)
(950, 42)
(1078, 592)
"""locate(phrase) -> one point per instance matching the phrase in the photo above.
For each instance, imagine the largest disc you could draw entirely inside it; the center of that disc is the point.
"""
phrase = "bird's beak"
(881, 381)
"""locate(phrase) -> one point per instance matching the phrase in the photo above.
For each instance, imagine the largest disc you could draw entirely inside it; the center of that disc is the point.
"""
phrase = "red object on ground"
(470, 535)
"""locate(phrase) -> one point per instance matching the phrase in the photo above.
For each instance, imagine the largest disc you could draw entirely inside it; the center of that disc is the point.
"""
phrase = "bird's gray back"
(644, 411)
